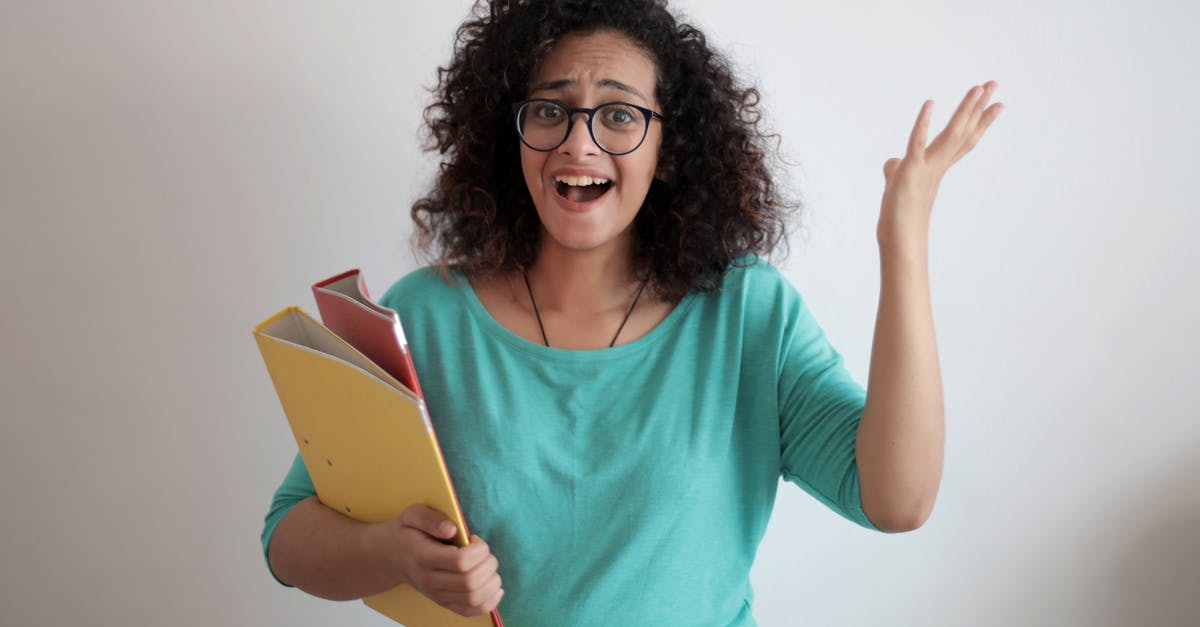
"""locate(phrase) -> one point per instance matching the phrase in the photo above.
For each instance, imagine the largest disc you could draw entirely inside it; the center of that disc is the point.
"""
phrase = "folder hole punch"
(306, 440)
(329, 461)
(348, 509)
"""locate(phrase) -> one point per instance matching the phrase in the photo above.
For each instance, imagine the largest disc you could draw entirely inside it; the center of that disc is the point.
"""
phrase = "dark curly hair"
(717, 203)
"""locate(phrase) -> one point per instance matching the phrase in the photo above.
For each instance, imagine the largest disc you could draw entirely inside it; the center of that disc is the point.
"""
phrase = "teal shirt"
(630, 485)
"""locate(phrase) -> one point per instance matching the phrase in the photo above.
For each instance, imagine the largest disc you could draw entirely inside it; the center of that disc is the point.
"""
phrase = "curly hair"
(718, 201)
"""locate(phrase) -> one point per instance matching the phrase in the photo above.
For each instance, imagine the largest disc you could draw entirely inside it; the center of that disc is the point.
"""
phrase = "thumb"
(429, 521)
(889, 167)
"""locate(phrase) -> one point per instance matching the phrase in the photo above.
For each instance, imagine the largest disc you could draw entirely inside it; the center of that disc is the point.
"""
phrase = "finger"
(448, 581)
(951, 137)
(977, 110)
(475, 598)
(889, 167)
(440, 582)
(916, 140)
(482, 572)
(965, 108)
(981, 103)
(428, 520)
(447, 585)
(494, 602)
(985, 121)
(465, 559)
(429, 553)
(476, 609)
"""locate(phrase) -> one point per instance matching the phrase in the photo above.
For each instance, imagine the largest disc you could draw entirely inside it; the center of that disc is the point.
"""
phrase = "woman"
(618, 379)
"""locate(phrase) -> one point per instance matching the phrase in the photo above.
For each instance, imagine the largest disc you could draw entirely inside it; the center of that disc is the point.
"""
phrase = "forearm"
(329, 555)
(901, 436)
(900, 439)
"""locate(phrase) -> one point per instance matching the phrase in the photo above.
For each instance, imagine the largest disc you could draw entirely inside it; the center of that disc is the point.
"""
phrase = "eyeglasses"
(545, 124)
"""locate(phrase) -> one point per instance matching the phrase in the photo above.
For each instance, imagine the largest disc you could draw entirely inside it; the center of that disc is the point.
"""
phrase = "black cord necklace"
(538, 314)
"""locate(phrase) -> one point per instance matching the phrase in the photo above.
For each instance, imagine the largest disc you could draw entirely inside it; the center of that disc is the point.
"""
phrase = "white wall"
(173, 172)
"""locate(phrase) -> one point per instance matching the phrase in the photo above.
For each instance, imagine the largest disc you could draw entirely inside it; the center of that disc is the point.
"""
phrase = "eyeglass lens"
(617, 128)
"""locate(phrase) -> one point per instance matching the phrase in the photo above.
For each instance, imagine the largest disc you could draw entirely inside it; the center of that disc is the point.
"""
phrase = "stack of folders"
(351, 395)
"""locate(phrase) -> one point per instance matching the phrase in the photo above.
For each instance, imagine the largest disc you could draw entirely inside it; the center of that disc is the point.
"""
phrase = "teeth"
(580, 181)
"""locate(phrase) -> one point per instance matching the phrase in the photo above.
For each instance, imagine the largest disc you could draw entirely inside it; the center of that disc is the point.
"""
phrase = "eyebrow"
(604, 82)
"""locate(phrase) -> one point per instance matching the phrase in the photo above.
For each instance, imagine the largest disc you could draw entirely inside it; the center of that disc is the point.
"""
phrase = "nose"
(579, 139)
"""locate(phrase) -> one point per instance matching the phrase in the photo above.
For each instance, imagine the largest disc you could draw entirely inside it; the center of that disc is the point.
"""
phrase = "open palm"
(912, 181)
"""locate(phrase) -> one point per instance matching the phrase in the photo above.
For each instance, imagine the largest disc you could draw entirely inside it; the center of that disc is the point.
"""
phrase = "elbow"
(278, 566)
(897, 504)
(899, 519)
(901, 523)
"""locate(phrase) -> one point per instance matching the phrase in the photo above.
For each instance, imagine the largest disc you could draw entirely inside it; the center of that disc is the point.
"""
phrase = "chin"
(581, 238)
(577, 241)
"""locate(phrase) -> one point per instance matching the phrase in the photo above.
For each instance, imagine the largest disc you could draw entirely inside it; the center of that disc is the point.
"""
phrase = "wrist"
(905, 248)
(377, 543)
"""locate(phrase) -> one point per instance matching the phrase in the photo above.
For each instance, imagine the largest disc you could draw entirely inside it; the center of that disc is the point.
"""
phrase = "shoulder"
(755, 284)
(757, 297)
(424, 289)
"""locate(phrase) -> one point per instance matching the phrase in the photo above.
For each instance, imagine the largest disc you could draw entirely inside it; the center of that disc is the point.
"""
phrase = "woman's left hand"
(912, 181)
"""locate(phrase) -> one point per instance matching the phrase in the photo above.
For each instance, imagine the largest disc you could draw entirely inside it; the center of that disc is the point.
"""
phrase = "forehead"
(603, 60)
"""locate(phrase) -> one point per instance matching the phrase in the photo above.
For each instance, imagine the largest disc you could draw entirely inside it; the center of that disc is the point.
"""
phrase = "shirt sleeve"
(821, 406)
(297, 485)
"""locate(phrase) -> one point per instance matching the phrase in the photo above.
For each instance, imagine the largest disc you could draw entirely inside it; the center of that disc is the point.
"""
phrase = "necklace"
(538, 314)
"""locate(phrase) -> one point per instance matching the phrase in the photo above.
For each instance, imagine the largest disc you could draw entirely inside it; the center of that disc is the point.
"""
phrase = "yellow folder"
(366, 440)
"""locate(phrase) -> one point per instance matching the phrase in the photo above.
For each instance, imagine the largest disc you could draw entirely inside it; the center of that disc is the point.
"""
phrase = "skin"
(581, 278)
(901, 436)
(329, 555)
(585, 71)
(584, 286)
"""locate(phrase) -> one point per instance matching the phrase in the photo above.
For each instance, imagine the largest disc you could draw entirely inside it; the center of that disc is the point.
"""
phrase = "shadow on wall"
(1131, 560)
(1155, 574)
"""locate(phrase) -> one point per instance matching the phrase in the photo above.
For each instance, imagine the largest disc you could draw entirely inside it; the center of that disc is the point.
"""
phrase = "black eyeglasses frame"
(647, 114)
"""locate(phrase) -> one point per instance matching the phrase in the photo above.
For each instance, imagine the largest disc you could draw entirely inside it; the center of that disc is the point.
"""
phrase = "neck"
(583, 282)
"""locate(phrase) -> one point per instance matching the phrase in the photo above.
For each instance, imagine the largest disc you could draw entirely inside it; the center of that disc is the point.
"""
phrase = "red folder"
(348, 311)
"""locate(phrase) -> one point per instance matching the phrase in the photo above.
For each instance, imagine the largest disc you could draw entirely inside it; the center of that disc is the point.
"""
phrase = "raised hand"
(912, 181)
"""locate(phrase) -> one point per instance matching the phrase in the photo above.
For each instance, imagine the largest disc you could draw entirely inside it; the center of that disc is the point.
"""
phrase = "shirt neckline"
(541, 351)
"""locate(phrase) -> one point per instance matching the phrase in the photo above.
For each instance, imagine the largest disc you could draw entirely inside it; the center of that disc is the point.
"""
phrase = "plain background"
(171, 173)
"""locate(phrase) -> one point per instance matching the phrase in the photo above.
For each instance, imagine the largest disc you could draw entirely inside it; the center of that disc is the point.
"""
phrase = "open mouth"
(581, 188)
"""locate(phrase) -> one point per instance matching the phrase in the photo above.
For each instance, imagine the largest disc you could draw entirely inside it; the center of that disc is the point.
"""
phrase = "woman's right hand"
(461, 579)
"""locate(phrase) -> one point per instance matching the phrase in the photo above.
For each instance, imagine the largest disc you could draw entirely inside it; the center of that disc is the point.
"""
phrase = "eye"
(620, 117)
(547, 111)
